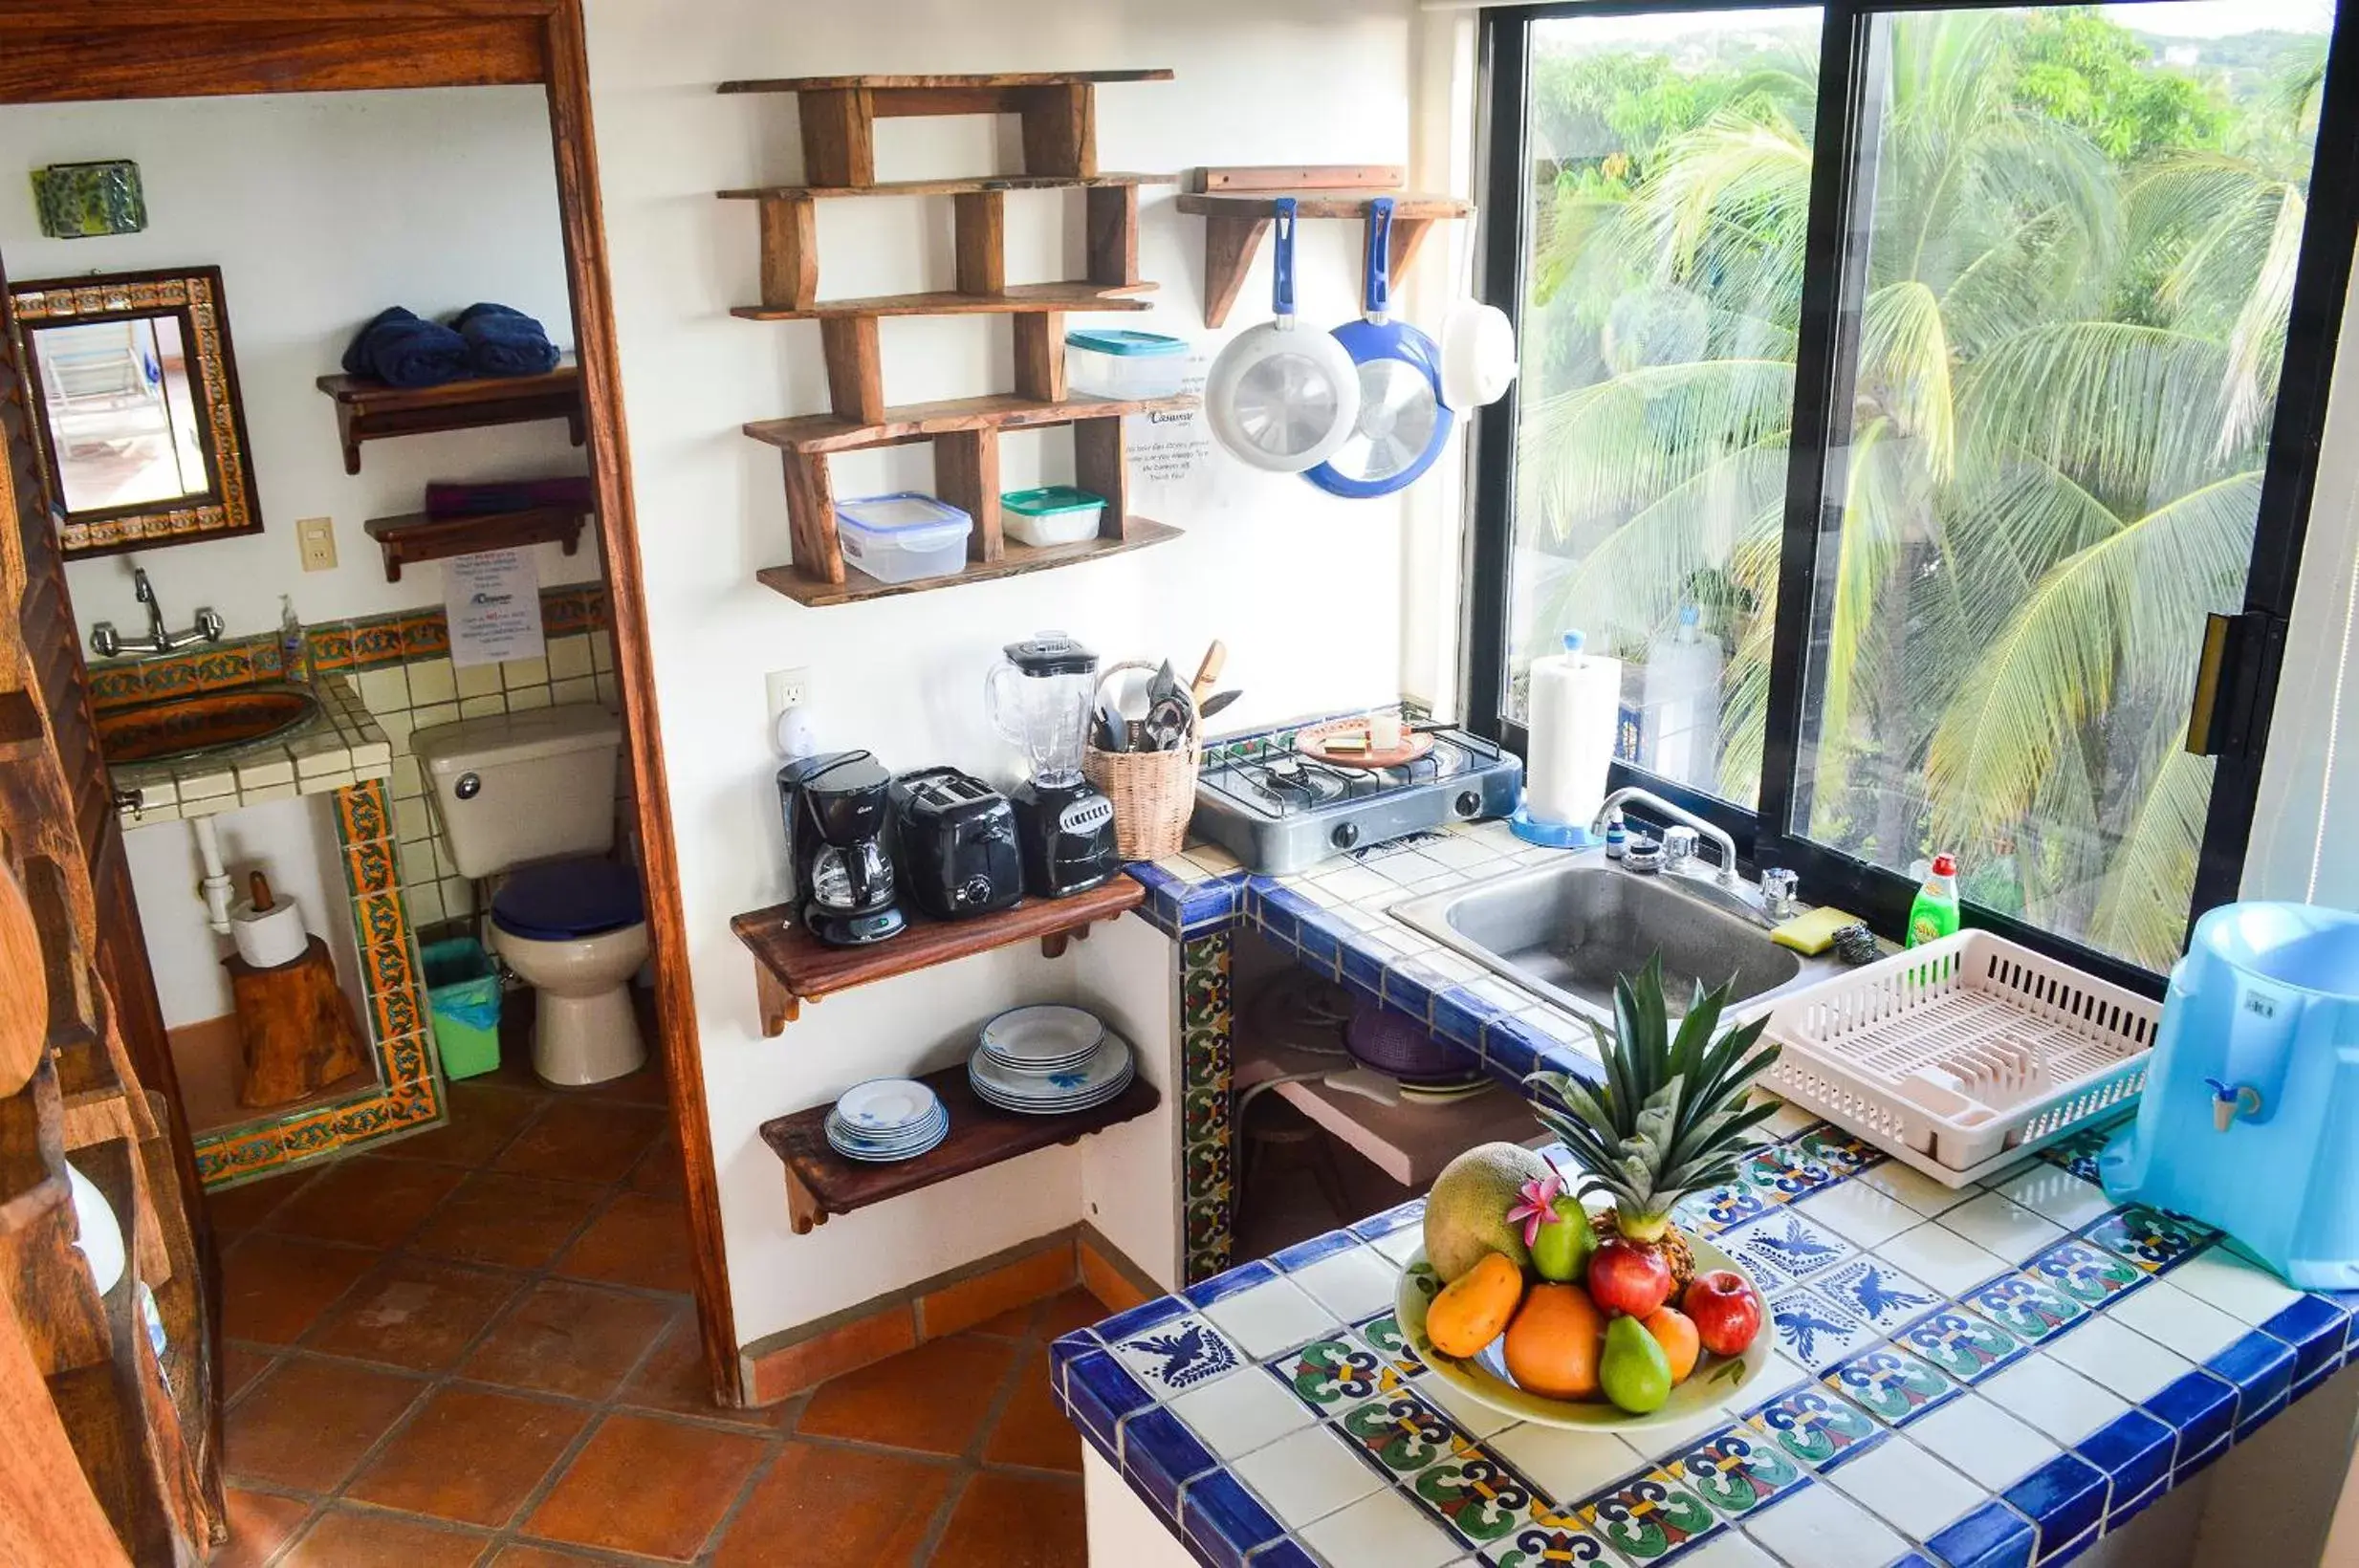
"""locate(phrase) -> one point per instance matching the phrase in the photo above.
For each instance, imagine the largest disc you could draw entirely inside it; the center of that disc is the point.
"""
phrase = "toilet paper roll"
(267, 938)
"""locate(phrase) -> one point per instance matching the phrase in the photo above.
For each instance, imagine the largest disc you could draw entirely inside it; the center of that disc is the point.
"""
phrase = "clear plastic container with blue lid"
(902, 537)
(1117, 363)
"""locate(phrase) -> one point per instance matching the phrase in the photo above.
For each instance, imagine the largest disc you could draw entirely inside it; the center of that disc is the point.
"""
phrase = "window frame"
(1813, 519)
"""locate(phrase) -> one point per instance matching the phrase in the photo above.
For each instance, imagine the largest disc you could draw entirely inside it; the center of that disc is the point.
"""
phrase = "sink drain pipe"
(214, 886)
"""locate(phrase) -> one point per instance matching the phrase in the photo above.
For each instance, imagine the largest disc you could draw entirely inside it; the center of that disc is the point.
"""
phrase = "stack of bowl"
(1049, 1062)
(886, 1120)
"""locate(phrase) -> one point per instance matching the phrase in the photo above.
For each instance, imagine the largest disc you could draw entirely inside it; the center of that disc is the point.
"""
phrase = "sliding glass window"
(1899, 434)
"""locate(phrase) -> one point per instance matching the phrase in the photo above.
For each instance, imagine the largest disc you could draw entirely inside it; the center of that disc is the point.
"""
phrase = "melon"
(1466, 1214)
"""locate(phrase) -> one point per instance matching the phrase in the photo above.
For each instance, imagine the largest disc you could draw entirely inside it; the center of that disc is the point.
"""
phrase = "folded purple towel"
(480, 498)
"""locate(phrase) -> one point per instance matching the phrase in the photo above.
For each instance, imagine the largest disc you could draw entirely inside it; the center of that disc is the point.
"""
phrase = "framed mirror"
(135, 395)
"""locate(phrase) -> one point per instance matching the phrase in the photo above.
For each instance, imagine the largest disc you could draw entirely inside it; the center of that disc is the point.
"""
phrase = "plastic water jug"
(2250, 1121)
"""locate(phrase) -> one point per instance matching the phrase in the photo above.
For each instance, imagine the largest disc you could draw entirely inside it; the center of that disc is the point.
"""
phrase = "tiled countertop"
(341, 746)
(1982, 1377)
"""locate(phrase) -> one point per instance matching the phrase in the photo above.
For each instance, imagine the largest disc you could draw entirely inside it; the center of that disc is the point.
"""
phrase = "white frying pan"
(1279, 397)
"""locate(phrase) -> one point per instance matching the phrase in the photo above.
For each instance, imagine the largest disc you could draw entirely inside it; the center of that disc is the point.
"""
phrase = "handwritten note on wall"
(493, 600)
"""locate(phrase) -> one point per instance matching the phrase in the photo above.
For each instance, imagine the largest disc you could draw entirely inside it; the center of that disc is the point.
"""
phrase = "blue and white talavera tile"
(1785, 1245)
(1814, 1331)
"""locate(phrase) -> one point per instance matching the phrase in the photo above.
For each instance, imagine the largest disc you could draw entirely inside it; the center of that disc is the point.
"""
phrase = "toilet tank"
(512, 788)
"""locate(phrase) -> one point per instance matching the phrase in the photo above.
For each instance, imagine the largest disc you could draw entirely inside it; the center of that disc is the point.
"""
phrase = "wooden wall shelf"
(791, 966)
(1077, 295)
(369, 410)
(812, 433)
(1236, 221)
(1015, 560)
(416, 537)
(954, 186)
(819, 1182)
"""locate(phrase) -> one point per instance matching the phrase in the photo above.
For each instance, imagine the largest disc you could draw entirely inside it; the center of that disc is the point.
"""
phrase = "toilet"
(529, 797)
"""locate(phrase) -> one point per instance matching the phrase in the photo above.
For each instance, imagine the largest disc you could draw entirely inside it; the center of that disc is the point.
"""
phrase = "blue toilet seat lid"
(562, 899)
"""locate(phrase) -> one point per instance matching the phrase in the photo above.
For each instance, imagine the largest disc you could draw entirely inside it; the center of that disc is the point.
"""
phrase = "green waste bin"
(463, 995)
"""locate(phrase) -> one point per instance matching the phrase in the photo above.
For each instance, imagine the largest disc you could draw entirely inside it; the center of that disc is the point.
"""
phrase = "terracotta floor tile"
(563, 1337)
(307, 1424)
(658, 1170)
(415, 1312)
(483, 1116)
(240, 1366)
(1015, 1521)
(673, 1379)
(584, 1141)
(534, 1555)
(260, 1523)
(645, 1087)
(470, 1455)
(512, 1221)
(1014, 1324)
(934, 1398)
(1032, 1430)
(237, 1209)
(647, 1484)
(639, 1241)
(272, 1288)
(367, 1200)
(819, 1506)
(1069, 1310)
(352, 1538)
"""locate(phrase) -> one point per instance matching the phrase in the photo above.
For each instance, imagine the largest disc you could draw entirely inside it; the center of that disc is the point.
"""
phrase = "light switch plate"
(315, 540)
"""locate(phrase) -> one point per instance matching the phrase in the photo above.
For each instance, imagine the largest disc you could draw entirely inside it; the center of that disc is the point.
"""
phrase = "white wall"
(1306, 589)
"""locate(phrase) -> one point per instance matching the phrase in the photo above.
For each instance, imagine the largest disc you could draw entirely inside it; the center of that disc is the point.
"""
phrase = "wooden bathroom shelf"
(368, 409)
(417, 536)
(1237, 210)
(819, 1182)
(791, 966)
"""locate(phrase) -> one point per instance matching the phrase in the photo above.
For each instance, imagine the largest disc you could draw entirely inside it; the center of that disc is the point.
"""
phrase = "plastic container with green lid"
(1118, 363)
(1052, 514)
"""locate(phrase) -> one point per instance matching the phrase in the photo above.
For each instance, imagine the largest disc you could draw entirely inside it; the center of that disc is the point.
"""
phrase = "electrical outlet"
(788, 688)
(314, 541)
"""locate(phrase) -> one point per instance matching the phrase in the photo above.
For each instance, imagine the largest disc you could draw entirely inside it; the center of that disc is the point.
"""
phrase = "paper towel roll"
(268, 931)
(1572, 714)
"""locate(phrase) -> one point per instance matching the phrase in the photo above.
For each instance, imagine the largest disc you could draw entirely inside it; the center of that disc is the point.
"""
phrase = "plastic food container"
(1052, 514)
(904, 536)
(1110, 362)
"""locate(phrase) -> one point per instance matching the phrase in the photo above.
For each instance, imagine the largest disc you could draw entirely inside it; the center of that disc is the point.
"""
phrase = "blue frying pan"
(1403, 424)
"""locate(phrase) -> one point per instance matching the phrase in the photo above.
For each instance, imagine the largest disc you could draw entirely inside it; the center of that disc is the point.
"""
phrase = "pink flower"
(1538, 1206)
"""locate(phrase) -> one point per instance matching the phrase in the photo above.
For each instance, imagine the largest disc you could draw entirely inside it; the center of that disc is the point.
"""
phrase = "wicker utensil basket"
(1154, 793)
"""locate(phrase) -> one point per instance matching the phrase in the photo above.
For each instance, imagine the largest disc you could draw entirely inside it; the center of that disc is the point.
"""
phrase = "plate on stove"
(1318, 745)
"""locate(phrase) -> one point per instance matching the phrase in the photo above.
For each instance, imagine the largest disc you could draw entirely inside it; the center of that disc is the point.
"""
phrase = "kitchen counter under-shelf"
(819, 1182)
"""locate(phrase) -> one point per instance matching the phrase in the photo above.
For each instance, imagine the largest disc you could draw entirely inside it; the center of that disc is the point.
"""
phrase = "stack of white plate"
(1049, 1062)
(886, 1120)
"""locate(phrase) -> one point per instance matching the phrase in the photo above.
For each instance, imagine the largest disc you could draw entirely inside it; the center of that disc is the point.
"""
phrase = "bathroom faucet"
(1659, 806)
(106, 643)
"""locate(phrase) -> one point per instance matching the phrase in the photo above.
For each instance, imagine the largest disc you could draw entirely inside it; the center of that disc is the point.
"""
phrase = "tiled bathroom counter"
(340, 746)
(1983, 1377)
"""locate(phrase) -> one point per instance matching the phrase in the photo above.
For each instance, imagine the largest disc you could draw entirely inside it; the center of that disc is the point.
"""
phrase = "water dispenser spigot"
(2230, 1101)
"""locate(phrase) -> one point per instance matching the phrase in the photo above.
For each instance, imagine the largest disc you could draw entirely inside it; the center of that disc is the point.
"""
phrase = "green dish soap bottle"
(1934, 913)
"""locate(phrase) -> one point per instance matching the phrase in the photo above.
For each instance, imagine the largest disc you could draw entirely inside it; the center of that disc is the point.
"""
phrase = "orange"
(1675, 1332)
(1476, 1306)
(1553, 1344)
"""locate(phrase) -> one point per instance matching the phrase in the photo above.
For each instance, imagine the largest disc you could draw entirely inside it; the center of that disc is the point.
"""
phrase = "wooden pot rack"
(837, 122)
(418, 536)
(791, 966)
(368, 409)
(1237, 204)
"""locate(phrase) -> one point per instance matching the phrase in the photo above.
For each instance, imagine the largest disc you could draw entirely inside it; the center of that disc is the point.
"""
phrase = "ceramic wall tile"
(2000, 1225)
(1984, 1442)
(2054, 1398)
(1826, 1530)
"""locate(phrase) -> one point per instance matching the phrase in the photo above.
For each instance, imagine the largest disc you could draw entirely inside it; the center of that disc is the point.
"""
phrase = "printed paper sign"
(1168, 448)
(492, 600)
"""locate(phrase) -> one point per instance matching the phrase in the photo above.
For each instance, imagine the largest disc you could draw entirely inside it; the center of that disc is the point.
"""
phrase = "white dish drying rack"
(1962, 1055)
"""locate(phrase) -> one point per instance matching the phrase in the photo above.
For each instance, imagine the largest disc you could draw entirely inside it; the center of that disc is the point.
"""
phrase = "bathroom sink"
(205, 723)
(1563, 932)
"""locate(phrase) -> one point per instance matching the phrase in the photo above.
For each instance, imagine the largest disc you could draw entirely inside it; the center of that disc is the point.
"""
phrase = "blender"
(1039, 698)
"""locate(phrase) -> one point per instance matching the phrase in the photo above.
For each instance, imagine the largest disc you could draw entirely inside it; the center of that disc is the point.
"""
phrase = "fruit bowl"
(1484, 1377)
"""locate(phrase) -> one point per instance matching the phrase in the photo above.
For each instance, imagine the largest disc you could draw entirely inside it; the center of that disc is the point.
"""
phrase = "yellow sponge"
(1813, 933)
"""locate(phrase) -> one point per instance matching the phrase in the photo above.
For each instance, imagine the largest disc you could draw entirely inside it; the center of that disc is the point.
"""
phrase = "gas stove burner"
(1290, 781)
(1277, 811)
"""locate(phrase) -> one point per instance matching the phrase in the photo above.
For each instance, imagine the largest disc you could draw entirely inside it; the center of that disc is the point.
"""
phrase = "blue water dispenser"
(2250, 1121)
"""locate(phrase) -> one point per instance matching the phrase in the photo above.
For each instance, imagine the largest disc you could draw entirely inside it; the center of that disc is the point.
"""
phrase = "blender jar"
(1040, 700)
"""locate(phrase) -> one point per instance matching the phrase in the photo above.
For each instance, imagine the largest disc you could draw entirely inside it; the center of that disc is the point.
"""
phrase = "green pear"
(1634, 1372)
(1562, 1253)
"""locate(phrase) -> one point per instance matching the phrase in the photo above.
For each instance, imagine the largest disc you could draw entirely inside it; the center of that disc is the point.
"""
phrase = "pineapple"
(1670, 1116)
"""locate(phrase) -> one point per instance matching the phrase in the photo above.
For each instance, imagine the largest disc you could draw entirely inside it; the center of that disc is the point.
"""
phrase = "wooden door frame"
(78, 51)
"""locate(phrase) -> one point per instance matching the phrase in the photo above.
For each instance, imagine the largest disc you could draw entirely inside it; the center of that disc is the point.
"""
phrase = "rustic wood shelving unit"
(418, 536)
(838, 120)
(1237, 204)
(819, 1182)
(791, 966)
(369, 410)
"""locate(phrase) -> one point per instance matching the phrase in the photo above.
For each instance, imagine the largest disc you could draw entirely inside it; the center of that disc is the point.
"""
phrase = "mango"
(1474, 1309)
(1634, 1372)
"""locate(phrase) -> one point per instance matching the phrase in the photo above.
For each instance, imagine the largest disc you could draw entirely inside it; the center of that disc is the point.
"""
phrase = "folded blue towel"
(505, 341)
(401, 348)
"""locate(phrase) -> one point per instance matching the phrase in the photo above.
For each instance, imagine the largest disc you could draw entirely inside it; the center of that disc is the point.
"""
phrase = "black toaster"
(954, 844)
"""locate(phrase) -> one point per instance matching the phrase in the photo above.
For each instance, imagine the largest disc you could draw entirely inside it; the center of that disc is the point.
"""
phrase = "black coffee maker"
(836, 809)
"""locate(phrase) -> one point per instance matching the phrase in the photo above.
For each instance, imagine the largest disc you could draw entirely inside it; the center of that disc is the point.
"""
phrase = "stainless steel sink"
(1564, 930)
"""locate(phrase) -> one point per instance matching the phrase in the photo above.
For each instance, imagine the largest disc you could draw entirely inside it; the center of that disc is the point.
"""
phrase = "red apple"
(1726, 1313)
(1627, 1278)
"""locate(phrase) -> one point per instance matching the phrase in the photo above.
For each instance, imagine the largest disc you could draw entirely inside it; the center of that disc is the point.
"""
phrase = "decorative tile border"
(1207, 1141)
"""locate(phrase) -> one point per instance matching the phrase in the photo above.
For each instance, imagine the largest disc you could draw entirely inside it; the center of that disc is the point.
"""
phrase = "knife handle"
(1207, 673)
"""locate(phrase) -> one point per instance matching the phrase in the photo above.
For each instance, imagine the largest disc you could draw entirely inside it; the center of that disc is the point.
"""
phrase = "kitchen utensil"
(1042, 698)
(1478, 355)
(1217, 701)
(837, 807)
(1484, 1378)
(1279, 398)
(2245, 1120)
(1113, 733)
(1344, 744)
(954, 844)
(1043, 1038)
(1167, 726)
(1402, 425)
(268, 931)
(1152, 785)
(1207, 673)
(1101, 1075)
(886, 1105)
